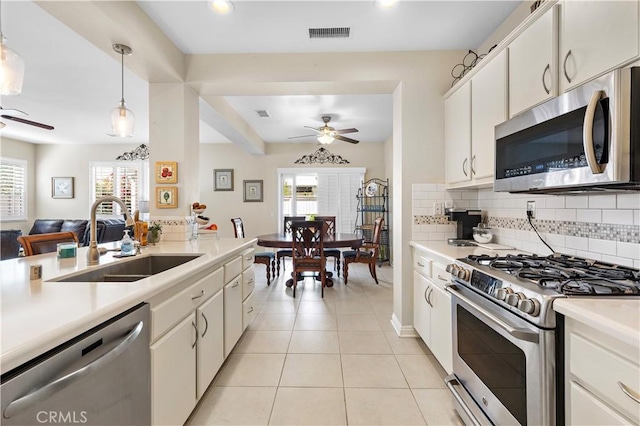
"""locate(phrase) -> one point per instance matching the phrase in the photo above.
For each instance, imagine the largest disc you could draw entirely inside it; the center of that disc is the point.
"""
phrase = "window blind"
(13, 189)
(119, 179)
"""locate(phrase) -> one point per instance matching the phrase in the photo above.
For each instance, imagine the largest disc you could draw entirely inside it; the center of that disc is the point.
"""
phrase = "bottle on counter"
(126, 245)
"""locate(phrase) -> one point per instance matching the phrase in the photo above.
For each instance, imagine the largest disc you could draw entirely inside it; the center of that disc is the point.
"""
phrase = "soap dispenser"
(126, 245)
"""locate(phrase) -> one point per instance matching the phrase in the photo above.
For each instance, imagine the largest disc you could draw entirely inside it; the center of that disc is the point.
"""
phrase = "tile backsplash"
(604, 227)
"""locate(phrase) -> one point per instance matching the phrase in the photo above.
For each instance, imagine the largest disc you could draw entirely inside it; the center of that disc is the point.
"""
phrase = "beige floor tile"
(317, 307)
(360, 322)
(372, 371)
(382, 307)
(347, 306)
(437, 407)
(405, 345)
(251, 370)
(385, 322)
(279, 307)
(315, 342)
(363, 342)
(312, 370)
(420, 371)
(382, 407)
(309, 406)
(264, 342)
(317, 322)
(235, 406)
(273, 322)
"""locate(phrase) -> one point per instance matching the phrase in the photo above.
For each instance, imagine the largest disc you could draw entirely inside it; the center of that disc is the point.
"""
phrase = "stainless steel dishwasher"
(101, 377)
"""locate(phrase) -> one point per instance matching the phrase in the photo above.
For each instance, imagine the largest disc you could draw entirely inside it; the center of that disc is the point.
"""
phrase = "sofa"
(107, 230)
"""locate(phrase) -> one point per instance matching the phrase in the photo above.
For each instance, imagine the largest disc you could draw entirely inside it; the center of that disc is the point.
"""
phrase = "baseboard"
(402, 330)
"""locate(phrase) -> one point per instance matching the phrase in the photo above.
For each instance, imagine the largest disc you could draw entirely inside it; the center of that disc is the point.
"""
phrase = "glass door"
(299, 195)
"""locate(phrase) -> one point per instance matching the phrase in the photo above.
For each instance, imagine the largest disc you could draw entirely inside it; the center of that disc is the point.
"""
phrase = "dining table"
(284, 241)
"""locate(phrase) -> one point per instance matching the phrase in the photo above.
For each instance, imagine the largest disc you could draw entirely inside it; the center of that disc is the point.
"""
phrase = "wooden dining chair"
(286, 229)
(307, 244)
(45, 243)
(266, 258)
(367, 253)
(330, 222)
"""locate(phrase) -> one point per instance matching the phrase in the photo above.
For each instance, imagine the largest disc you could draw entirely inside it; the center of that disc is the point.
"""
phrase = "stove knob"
(463, 274)
(514, 298)
(451, 268)
(529, 306)
(502, 293)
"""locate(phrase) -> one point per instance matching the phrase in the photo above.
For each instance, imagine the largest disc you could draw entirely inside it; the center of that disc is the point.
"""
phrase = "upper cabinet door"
(532, 68)
(488, 108)
(457, 135)
(596, 36)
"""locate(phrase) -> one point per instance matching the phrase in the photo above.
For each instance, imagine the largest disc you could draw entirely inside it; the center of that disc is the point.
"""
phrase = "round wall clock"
(371, 189)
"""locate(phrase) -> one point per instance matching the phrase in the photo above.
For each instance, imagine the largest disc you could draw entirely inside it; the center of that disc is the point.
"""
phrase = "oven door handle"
(587, 134)
(452, 382)
(518, 333)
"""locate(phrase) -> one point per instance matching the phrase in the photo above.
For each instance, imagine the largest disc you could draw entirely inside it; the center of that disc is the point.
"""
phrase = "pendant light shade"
(11, 67)
(325, 139)
(122, 118)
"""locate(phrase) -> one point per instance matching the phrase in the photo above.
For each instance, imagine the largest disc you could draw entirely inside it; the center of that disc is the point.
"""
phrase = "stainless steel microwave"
(586, 140)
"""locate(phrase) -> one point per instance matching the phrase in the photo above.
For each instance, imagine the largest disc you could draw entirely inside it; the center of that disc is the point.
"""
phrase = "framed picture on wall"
(61, 187)
(166, 197)
(166, 172)
(252, 190)
(223, 179)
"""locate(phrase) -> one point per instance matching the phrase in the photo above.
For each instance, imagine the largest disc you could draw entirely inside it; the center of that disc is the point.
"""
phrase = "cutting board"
(494, 246)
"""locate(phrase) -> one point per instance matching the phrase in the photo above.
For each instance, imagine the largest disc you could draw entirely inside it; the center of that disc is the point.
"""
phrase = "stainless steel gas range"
(506, 339)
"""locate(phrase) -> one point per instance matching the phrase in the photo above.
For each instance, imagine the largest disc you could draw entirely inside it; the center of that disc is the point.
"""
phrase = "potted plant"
(155, 229)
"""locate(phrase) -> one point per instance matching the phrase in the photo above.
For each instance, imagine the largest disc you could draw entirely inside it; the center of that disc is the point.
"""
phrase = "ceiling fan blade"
(303, 136)
(343, 131)
(12, 111)
(29, 122)
(312, 128)
(345, 139)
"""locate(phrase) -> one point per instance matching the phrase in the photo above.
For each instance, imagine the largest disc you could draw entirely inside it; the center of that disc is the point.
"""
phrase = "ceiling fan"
(10, 114)
(326, 134)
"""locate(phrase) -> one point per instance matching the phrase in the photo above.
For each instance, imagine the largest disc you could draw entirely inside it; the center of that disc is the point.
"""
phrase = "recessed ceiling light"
(221, 7)
(386, 4)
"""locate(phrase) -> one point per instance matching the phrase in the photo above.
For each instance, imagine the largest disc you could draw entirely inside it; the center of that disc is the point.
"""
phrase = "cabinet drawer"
(600, 371)
(249, 312)
(248, 282)
(232, 269)
(164, 315)
(589, 410)
(440, 277)
(247, 258)
(422, 264)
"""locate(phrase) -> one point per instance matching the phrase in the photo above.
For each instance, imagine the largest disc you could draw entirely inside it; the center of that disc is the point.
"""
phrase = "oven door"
(505, 364)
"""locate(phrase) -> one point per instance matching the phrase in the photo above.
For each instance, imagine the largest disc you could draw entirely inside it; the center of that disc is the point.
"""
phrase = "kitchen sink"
(130, 269)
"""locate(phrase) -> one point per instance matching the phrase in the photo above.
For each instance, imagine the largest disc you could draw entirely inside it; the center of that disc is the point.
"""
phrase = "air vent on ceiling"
(262, 113)
(343, 32)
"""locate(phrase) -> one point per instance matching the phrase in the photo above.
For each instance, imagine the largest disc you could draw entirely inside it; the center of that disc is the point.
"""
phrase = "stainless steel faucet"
(93, 255)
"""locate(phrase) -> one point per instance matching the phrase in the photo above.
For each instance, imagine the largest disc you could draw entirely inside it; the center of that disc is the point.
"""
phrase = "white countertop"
(616, 316)
(39, 315)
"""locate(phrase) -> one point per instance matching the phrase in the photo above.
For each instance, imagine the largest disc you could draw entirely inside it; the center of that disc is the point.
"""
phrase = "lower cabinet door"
(210, 348)
(421, 309)
(586, 409)
(173, 374)
(232, 314)
(441, 328)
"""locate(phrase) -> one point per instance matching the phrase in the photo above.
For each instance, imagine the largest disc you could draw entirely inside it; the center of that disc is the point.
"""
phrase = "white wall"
(261, 218)
(11, 148)
(517, 16)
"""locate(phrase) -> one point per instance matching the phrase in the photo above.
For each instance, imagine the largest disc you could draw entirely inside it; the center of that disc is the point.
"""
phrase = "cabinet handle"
(250, 281)
(464, 167)
(426, 299)
(248, 258)
(440, 277)
(564, 66)
(236, 284)
(544, 83)
(473, 161)
(429, 297)
(250, 310)
(196, 329)
(206, 324)
(629, 392)
(420, 265)
(198, 296)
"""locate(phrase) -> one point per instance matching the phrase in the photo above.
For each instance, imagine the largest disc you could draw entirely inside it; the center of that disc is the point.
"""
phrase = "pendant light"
(11, 67)
(121, 117)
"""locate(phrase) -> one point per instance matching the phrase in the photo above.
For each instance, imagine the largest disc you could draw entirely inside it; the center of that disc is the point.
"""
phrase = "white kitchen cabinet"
(173, 380)
(457, 135)
(488, 108)
(432, 307)
(233, 326)
(602, 377)
(596, 36)
(210, 347)
(533, 76)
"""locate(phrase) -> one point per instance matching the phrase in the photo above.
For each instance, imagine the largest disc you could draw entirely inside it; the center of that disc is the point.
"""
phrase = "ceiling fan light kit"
(222, 7)
(11, 67)
(122, 118)
(325, 139)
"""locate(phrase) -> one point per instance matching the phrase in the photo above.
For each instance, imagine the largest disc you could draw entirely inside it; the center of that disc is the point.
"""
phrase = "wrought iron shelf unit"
(373, 202)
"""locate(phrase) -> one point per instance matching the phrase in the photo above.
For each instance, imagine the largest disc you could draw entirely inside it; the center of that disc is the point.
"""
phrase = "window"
(123, 179)
(13, 189)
